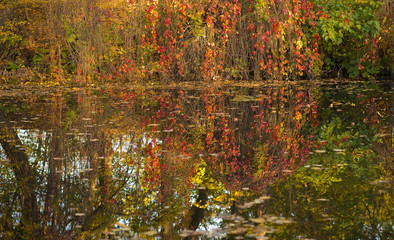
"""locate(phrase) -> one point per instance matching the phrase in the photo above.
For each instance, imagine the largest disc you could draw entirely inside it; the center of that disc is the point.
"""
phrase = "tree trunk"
(198, 210)
(25, 176)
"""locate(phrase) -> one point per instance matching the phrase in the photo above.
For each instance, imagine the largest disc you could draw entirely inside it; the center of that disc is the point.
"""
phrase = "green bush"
(348, 31)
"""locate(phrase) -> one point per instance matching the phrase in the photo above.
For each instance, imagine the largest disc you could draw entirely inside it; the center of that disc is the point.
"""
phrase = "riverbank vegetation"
(91, 41)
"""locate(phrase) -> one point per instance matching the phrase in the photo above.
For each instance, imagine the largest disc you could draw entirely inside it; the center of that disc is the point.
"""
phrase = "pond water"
(247, 161)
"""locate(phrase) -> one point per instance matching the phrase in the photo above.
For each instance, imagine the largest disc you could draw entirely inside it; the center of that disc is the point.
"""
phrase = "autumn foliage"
(179, 40)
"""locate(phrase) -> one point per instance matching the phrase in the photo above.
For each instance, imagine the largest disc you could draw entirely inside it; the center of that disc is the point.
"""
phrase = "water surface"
(293, 161)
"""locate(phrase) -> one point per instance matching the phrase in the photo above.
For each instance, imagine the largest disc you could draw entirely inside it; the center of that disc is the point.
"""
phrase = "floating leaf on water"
(270, 218)
(262, 238)
(192, 97)
(248, 225)
(239, 230)
(150, 233)
(243, 98)
(320, 151)
(246, 205)
(251, 235)
(317, 168)
(187, 233)
(220, 114)
(225, 216)
(379, 182)
(258, 220)
(109, 233)
(258, 201)
(283, 221)
(231, 225)
(184, 157)
(379, 135)
(265, 197)
(322, 199)
(338, 150)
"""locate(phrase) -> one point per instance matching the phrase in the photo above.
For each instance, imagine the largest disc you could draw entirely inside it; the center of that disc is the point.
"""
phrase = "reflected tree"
(27, 224)
(156, 161)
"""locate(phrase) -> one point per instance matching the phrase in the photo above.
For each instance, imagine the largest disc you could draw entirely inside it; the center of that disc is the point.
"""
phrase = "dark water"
(297, 161)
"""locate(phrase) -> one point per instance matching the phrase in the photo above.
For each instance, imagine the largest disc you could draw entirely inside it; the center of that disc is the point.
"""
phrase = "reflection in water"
(278, 162)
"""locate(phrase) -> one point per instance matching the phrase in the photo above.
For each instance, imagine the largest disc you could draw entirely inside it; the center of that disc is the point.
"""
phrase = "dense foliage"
(151, 40)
